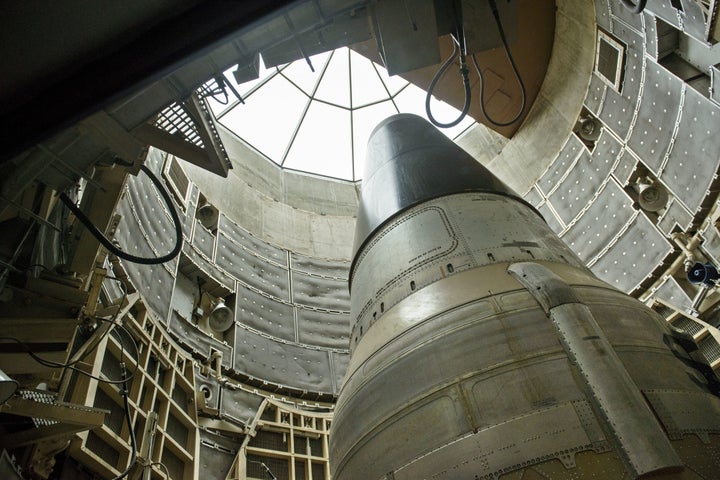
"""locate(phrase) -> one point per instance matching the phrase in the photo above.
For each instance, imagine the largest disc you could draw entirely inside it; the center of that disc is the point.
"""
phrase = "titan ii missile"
(482, 347)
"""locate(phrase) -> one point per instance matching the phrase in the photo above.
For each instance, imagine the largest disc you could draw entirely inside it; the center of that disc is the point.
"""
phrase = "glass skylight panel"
(322, 144)
(319, 122)
(335, 84)
(269, 117)
(367, 87)
(300, 74)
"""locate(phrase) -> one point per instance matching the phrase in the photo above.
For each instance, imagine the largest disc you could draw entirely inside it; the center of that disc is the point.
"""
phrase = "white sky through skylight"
(319, 122)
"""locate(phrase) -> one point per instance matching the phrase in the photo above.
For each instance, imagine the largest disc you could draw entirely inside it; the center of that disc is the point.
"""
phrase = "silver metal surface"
(602, 14)
(618, 110)
(323, 329)
(324, 293)
(659, 110)
(252, 269)
(582, 182)
(675, 216)
(596, 94)
(671, 292)
(620, 13)
(533, 197)
(406, 147)
(551, 218)
(319, 266)
(632, 424)
(694, 160)
(664, 9)
(633, 256)
(455, 364)
(600, 223)
(693, 19)
(264, 313)
(651, 35)
(280, 364)
(711, 245)
(239, 404)
(253, 244)
(627, 163)
(562, 164)
(204, 241)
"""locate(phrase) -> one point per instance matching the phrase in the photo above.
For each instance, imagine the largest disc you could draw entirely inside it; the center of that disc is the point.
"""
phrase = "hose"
(133, 441)
(466, 84)
(496, 15)
(117, 251)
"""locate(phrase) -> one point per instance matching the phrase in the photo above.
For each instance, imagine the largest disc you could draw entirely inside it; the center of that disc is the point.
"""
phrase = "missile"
(483, 348)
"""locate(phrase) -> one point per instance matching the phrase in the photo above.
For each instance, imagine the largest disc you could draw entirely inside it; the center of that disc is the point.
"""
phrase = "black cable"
(129, 335)
(466, 84)
(496, 14)
(133, 442)
(51, 364)
(635, 7)
(115, 250)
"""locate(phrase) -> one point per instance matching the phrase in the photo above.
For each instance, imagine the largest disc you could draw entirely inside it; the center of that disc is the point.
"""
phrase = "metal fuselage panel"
(457, 370)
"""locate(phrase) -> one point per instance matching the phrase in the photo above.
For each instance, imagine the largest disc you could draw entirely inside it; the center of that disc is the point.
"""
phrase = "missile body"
(482, 347)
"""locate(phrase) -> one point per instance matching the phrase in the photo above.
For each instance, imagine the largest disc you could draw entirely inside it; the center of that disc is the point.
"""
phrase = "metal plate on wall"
(665, 10)
(595, 95)
(217, 453)
(634, 256)
(651, 40)
(576, 189)
(197, 341)
(253, 270)
(264, 313)
(533, 196)
(671, 292)
(582, 182)
(318, 292)
(600, 223)
(320, 266)
(282, 364)
(693, 19)
(323, 329)
(193, 264)
(150, 226)
(204, 241)
(659, 108)
(602, 14)
(339, 363)
(551, 218)
(694, 158)
(625, 167)
(252, 243)
(621, 13)
(563, 162)
(711, 245)
(154, 282)
(675, 216)
(618, 108)
(240, 404)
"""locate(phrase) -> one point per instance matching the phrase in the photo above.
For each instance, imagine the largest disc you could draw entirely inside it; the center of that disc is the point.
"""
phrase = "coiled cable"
(117, 251)
(523, 92)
